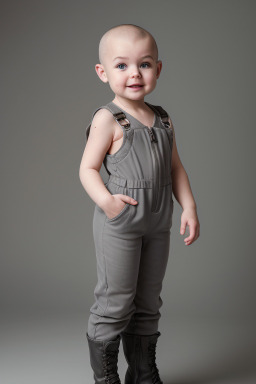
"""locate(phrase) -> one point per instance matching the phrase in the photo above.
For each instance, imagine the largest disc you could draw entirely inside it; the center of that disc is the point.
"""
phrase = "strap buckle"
(166, 123)
(163, 114)
(120, 117)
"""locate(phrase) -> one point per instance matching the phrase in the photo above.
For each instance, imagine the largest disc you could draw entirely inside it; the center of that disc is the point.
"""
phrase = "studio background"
(48, 267)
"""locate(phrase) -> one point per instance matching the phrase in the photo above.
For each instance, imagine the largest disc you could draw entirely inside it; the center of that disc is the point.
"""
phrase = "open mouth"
(135, 86)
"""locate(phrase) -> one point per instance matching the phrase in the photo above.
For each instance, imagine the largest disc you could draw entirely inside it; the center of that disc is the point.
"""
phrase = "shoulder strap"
(118, 115)
(161, 112)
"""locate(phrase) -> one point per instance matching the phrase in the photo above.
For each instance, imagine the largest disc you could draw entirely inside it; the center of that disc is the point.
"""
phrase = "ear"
(101, 72)
(159, 68)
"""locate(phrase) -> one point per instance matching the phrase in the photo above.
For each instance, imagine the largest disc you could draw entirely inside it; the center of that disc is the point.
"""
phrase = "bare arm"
(100, 139)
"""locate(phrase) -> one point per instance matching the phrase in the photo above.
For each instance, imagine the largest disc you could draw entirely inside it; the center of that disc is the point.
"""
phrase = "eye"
(119, 65)
(148, 64)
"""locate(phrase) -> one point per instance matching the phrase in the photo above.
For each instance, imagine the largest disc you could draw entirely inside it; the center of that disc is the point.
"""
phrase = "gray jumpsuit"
(132, 248)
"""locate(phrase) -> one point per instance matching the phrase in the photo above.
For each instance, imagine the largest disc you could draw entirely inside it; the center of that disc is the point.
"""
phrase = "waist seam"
(138, 183)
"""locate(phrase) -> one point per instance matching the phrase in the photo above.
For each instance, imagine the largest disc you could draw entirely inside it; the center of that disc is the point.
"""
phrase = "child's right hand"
(116, 203)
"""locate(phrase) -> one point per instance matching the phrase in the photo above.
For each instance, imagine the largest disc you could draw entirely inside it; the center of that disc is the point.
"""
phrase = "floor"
(53, 350)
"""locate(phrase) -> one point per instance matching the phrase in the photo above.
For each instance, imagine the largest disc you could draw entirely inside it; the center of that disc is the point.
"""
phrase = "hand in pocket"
(117, 204)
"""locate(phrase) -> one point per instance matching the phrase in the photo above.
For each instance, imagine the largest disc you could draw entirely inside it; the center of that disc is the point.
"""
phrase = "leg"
(153, 263)
(118, 260)
(140, 337)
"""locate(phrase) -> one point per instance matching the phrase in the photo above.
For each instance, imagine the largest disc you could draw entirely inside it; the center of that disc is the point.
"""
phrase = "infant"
(133, 211)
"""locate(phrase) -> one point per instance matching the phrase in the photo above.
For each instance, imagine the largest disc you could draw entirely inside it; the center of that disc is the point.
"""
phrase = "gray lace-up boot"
(103, 358)
(140, 354)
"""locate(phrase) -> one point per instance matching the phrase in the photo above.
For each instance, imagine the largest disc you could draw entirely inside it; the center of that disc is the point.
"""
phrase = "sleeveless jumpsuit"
(132, 249)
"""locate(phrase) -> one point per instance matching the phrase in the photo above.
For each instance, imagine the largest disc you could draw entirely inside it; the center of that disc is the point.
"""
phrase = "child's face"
(133, 68)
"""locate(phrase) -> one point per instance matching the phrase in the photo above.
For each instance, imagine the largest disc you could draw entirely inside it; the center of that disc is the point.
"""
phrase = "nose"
(135, 73)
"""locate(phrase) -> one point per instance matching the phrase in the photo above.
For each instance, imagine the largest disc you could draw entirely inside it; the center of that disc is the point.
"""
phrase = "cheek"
(151, 79)
(120, 81)
(151, 76)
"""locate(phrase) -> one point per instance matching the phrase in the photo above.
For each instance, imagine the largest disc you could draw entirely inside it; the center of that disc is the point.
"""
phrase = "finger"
(192, 232)
(195, 238)
(129, 199)
(183, 227)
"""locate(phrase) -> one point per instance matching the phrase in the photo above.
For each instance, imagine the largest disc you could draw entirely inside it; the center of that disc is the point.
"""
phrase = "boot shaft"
(104, 360)
(140, 354)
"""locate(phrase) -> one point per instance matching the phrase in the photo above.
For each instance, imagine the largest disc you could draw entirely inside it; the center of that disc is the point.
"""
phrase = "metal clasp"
(165, 121)
(121, 119)
(152, 134)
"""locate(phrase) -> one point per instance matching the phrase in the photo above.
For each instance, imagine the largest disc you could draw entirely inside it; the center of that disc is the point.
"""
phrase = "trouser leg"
(118, 260)
(153, 263)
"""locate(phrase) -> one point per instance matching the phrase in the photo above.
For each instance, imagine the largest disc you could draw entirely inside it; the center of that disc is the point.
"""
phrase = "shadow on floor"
(239, 367)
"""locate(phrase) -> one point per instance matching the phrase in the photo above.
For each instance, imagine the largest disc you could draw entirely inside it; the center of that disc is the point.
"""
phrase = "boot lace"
(152, 363)
(110, 367)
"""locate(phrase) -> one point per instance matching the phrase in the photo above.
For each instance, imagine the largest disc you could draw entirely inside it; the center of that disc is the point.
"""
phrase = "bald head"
(125, 31)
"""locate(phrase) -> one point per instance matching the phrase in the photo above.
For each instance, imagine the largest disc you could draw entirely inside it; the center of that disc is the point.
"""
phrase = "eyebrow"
(121, 57)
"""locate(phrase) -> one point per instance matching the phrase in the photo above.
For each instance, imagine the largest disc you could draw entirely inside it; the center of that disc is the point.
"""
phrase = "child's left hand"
(189, 217)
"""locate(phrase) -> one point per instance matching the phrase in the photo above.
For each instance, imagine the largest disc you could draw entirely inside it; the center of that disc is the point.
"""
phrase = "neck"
(131, 105)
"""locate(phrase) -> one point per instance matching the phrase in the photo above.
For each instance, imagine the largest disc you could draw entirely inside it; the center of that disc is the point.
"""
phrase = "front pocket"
(125, 208)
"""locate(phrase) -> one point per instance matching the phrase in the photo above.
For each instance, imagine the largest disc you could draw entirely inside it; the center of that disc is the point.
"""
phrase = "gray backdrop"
(48, 268)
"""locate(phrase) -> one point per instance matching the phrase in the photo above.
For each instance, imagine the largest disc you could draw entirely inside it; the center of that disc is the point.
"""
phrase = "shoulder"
(102, 120)
(102, 116)
(162, 112)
